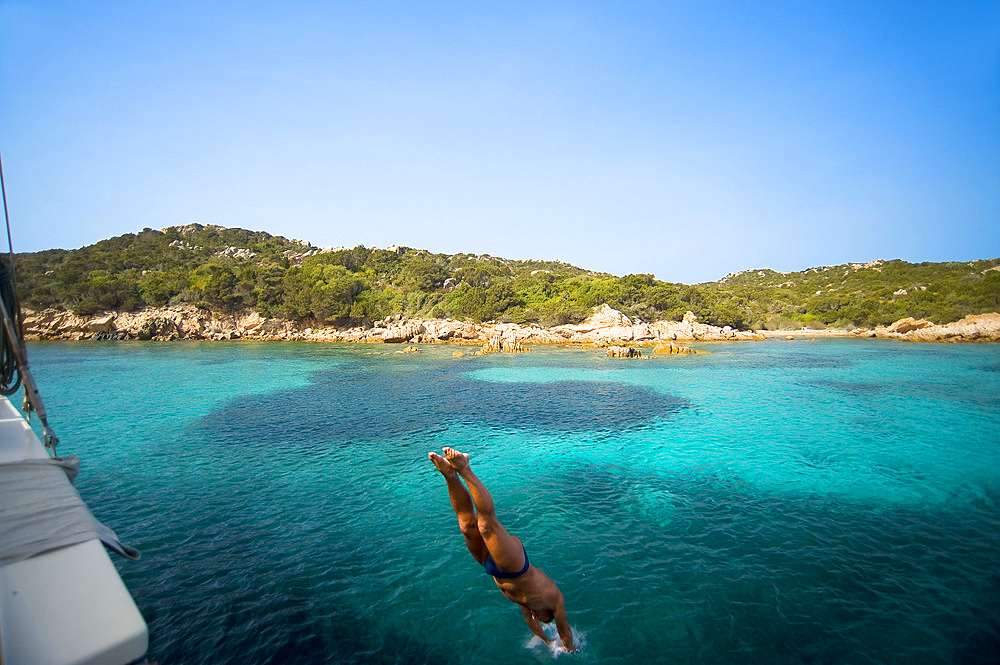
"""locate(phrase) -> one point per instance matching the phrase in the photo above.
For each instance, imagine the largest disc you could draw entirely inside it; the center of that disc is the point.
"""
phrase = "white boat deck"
(67, 606)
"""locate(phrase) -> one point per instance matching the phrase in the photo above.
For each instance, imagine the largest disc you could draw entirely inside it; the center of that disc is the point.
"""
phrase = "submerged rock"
(673, 349)
(109, 336)
(623, 352)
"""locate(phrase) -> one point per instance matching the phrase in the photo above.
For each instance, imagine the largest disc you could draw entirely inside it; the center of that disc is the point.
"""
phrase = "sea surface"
(835, 501)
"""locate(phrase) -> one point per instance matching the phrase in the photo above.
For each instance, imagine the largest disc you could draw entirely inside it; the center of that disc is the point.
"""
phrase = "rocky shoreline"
(605, 327)
(973, 328)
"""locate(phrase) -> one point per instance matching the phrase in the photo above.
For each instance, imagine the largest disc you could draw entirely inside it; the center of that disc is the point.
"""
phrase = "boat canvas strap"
(40, 510)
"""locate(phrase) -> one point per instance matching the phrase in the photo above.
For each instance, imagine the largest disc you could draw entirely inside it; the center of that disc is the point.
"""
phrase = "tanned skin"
(539, 597)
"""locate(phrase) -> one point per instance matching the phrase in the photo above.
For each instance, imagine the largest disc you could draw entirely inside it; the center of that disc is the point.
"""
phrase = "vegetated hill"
(233, 269)
(858, 294)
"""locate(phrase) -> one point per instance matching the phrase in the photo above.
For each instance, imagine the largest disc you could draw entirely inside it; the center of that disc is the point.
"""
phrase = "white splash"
(555, 646)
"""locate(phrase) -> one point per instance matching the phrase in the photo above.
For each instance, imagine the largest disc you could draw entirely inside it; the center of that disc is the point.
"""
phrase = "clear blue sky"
(684, 139)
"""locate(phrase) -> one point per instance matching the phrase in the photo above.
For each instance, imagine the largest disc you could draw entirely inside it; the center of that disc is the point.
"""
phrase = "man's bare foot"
(460, 461)
(442, 464)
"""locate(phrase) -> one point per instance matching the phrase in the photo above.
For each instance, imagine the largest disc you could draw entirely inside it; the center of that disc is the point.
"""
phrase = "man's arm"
(533, 624)
(562, 623)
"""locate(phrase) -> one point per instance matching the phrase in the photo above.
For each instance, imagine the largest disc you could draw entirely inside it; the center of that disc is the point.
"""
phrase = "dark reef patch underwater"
(836, 502)
(364, 402)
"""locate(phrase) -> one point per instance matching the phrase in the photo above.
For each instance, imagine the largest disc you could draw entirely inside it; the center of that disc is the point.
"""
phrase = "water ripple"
(755, 507)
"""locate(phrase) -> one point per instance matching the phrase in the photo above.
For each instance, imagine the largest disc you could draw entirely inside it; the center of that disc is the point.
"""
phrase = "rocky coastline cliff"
(605, 327)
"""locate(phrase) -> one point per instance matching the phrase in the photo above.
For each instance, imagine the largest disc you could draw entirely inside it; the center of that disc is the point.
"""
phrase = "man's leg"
(506, 550)
(462, 504)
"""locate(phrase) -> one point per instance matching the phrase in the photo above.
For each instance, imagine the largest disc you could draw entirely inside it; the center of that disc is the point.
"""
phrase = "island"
(216, 283)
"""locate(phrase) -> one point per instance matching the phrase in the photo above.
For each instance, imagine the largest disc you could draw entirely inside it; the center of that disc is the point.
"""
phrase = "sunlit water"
(774, 502)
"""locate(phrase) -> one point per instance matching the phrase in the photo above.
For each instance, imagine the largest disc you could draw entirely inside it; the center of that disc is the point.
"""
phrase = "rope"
(13, 356)
(10, 377)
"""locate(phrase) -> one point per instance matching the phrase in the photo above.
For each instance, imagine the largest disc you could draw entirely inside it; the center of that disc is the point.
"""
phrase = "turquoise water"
(775, 502)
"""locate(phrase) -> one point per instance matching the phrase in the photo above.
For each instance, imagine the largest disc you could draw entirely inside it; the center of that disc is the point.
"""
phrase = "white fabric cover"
(40, 510)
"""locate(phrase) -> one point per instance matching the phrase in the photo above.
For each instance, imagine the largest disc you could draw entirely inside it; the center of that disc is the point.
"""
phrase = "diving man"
(500, 553)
